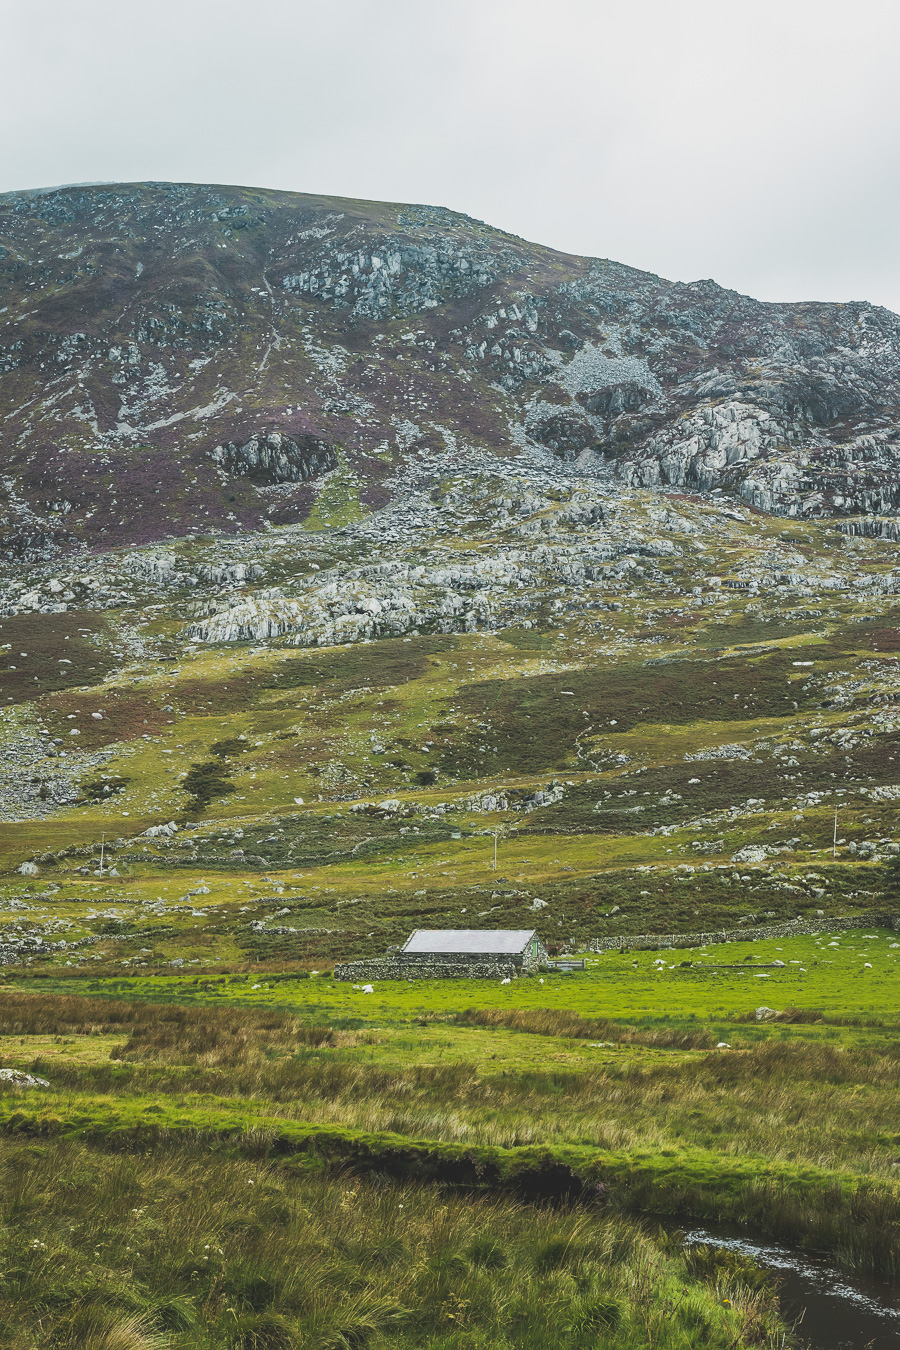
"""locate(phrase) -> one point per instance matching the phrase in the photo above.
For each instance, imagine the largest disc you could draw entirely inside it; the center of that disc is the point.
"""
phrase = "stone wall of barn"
(390, 968)
(452, 958)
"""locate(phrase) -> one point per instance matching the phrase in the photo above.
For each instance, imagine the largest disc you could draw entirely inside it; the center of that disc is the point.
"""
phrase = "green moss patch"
(205, 783)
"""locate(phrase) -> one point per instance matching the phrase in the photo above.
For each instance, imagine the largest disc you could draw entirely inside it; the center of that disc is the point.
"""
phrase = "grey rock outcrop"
(400, 276)
(271, 457)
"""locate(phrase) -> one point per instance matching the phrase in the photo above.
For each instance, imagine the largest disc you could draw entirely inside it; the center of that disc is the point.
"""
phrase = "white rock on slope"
(16, 1078)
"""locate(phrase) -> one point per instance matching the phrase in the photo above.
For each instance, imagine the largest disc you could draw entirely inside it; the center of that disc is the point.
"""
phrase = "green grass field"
(852, 975)
(237, 1152)
(412, 1138)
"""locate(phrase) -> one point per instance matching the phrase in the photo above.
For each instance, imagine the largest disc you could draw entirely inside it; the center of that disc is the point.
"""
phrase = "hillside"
(364, 568)
(341, 535)
(178, 358)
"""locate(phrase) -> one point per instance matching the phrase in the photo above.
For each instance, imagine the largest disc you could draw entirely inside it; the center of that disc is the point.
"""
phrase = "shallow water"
(831, 1310)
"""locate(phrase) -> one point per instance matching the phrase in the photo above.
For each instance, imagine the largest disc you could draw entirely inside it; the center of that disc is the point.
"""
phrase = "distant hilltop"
(179, 357)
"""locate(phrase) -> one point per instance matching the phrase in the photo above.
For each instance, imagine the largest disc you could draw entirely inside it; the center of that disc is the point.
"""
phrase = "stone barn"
(454, 953)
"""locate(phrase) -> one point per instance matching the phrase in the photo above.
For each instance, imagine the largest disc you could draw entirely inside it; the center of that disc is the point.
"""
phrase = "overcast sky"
(756, 143)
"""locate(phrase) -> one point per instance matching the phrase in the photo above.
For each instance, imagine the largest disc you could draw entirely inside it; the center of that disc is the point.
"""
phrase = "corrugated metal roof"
(488, 941)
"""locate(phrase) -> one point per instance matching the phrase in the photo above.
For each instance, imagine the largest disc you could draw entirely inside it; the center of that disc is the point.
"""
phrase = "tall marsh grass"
(559, 1022)
(184, 1250)
(767, 1111)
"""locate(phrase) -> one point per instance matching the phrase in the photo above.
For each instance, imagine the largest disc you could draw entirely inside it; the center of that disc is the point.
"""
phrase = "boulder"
(272, 457)
(16, 1078)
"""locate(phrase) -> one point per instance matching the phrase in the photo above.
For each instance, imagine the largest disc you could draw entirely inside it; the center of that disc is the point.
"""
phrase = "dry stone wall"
(796, 928)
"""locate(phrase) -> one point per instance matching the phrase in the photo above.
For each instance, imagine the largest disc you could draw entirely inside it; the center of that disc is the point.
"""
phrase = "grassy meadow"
(428, 1136)
(234, 1151)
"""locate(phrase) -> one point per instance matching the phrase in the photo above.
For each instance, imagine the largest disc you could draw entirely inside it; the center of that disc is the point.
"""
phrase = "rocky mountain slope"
(178, 358)
(341, 538)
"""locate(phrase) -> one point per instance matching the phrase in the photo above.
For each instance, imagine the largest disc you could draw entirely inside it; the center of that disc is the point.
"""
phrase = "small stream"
(831, 1310)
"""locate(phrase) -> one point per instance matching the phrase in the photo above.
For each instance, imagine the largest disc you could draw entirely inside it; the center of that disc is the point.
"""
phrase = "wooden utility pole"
(834, 839)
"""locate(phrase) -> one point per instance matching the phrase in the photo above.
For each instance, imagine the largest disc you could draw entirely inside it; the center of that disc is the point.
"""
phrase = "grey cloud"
(755, 144)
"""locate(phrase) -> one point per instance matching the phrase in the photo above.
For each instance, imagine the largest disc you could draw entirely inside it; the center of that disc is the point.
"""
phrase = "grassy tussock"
(814, 1017)
(178, 1250)
(558, 1022)
(159, 1024)
(786, 1061)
